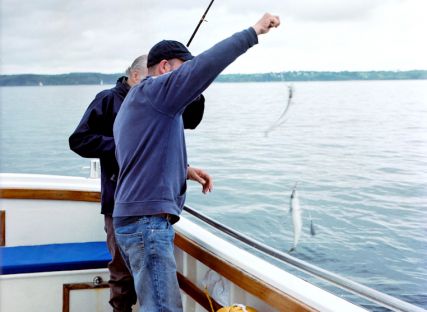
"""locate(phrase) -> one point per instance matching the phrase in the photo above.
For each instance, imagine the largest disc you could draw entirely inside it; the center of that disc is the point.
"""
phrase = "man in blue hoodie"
(93, 138)
(152, 156)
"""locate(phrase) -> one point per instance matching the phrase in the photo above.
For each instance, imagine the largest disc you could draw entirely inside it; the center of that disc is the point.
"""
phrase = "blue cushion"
(54, 257)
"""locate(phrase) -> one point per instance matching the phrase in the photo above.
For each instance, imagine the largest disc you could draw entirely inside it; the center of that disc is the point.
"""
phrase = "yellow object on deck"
(233, 308)
(237, 308)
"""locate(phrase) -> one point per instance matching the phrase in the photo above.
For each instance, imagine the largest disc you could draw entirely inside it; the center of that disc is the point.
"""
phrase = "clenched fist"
(265, 23)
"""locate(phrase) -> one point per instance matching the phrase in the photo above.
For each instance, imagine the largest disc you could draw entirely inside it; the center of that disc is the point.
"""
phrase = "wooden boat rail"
(368, 293)
(246, 281)
(282, 299)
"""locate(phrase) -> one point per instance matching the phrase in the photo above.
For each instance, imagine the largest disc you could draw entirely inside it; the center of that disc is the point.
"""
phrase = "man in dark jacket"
(93, 138)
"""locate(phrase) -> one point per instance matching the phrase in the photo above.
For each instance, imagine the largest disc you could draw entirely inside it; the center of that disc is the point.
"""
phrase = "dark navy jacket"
(149, 132)
(93, 137)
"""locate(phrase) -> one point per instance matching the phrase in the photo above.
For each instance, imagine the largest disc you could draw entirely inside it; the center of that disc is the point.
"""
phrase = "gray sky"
(61, 36)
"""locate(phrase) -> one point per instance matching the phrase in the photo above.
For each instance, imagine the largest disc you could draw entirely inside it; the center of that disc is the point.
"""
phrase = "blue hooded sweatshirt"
(93, 137)
(149, 133)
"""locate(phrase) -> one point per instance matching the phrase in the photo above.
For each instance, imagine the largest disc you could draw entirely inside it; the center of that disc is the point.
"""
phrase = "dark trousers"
(122, 289)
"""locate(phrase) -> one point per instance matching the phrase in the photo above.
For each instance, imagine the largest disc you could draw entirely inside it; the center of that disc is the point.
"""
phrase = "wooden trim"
(244, 280)
(2, 228)
(185, 284)
(12, 193)
(67, 288)
(267, 293)
(196, 293)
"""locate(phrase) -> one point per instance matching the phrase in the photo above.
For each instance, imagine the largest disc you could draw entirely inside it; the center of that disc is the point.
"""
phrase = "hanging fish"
(281, 120)
(312, 230)
(295, 212)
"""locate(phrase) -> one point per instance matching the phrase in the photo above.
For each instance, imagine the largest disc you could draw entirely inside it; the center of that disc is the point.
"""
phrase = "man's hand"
(265, 23)
(202, 177)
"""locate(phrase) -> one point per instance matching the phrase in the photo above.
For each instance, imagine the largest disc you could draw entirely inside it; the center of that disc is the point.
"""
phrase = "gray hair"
(140, 64)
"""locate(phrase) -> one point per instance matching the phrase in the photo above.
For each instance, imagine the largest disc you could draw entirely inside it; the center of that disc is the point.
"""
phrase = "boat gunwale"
(276, 298)
(79, 189)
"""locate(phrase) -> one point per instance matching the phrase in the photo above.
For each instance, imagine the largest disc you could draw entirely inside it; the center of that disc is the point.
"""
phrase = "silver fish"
(295, 211)
(281, 120)
(312, 230)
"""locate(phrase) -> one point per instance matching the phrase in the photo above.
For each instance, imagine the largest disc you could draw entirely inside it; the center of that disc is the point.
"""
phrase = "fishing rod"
(200, 22)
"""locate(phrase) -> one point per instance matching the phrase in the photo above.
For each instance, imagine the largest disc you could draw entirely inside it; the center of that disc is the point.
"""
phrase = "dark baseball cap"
(167, 50)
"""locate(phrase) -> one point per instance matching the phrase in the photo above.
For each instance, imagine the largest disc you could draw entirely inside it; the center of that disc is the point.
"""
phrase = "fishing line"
(280, 121)
(282, 118)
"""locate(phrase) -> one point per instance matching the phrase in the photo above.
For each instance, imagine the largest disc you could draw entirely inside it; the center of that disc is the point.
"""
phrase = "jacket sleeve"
(173, 91)
(92, 138)
(193, 113)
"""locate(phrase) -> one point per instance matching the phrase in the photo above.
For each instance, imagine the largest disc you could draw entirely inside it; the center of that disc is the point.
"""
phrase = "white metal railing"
(95, 169)
(368, 293)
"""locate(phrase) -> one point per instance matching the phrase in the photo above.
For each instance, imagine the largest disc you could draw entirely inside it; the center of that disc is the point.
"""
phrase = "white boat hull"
(48, 209)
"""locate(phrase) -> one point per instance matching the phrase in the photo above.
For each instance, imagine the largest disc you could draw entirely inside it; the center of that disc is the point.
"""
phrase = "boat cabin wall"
(37, 222)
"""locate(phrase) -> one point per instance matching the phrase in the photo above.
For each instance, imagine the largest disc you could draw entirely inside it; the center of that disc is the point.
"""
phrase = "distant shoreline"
(98, 78)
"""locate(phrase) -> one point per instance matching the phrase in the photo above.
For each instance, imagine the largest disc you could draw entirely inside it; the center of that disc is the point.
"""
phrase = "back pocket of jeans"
(133, 247)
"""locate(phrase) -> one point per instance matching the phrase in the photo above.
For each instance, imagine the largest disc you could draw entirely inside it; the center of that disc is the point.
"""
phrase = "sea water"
(358, 150)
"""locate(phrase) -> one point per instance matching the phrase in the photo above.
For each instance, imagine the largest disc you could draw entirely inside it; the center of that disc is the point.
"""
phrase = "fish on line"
(296, 213)
(281, 120)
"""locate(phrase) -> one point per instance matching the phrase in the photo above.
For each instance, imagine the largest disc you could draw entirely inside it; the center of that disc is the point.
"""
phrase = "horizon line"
(267, 72)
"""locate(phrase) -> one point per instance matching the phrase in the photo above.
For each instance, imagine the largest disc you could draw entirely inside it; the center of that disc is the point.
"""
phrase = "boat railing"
(95, 169)
(366, 292)
(91, 194)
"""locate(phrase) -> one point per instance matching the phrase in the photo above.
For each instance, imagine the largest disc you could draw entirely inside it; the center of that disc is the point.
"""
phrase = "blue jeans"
(146, 244)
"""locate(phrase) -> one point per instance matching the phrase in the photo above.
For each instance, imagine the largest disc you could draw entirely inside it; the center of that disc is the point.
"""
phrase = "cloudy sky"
(61, 36)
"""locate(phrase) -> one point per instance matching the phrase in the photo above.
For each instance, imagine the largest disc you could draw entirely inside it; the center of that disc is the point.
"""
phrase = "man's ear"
(164, 67)
(134, 76)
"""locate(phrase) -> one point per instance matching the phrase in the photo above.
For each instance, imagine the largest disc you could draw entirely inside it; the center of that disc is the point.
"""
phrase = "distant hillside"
(324, 76)
(97, 78)
(56, 80)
